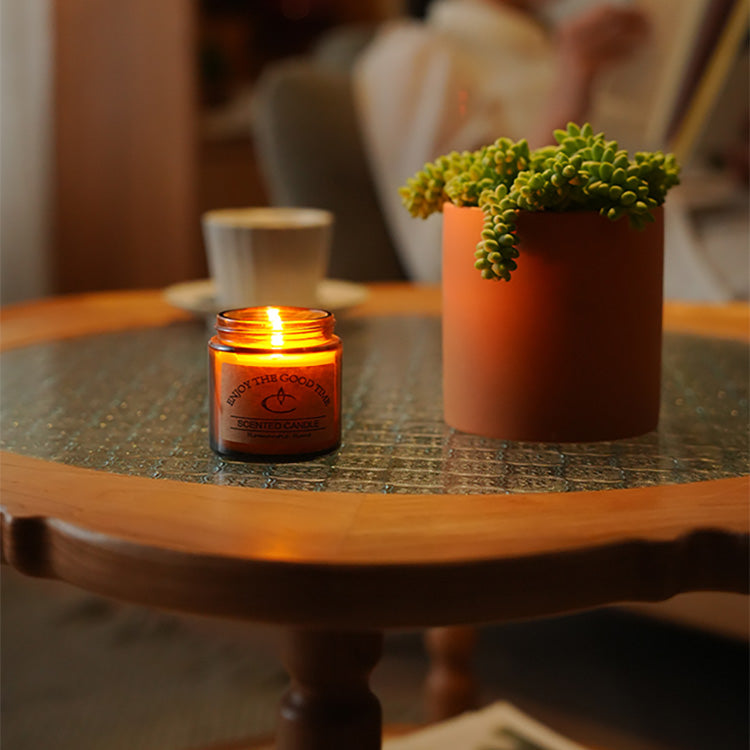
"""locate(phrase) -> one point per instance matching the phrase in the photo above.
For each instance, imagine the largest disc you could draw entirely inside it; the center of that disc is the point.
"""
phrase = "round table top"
(359, 560)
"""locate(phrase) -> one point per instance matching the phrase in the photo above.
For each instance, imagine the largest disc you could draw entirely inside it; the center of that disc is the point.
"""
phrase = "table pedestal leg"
(329, 705)
(450, 688)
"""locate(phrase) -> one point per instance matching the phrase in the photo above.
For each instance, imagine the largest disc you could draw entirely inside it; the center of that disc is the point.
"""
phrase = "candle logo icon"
(280, 402)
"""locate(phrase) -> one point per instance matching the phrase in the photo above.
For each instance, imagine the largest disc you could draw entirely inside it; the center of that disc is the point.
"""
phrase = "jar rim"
(293, 319)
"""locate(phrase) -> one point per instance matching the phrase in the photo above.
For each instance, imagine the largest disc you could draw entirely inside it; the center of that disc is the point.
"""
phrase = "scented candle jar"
(274, 384)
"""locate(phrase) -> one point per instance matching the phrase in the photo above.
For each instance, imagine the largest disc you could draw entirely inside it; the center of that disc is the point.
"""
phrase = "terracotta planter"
(570, 348)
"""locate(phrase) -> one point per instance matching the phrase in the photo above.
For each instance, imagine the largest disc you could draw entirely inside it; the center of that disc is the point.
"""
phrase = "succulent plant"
(583, 172)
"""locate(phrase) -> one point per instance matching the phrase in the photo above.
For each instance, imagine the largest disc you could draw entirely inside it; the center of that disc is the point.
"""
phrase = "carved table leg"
(450, 688)
(329, 705)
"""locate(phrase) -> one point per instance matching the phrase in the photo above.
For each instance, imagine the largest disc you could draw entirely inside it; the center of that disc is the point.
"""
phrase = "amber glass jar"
(274, 384)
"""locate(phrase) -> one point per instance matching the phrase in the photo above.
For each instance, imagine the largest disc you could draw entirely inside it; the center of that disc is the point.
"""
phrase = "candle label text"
(295, 408)
(291, 378)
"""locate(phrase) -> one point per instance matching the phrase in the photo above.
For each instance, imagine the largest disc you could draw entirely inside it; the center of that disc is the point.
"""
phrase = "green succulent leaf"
(582, 172)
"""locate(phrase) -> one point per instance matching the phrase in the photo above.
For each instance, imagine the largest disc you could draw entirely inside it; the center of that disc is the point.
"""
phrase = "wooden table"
(338, 568)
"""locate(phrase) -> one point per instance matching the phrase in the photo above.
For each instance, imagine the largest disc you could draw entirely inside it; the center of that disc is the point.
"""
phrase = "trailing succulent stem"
(583, 172)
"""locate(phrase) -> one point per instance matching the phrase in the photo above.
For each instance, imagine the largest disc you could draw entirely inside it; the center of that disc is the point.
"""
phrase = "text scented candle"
(275, 384)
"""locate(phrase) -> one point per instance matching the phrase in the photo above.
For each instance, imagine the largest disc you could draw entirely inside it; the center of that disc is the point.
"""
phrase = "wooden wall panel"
(126, 127)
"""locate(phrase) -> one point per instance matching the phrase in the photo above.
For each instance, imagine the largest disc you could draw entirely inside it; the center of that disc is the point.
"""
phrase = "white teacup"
(267, 256)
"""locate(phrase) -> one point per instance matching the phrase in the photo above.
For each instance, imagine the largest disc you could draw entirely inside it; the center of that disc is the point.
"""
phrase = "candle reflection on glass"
(275, 384)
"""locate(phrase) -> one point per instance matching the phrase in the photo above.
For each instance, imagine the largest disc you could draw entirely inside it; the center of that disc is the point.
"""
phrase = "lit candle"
(275, 384)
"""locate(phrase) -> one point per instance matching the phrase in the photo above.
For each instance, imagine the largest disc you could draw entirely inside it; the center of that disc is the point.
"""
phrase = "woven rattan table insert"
(135, 403)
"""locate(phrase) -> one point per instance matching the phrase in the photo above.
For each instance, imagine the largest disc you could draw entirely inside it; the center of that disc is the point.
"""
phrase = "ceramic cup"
(267, 256)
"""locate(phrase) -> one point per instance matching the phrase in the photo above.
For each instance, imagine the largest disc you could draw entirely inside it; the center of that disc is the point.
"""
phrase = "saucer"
(199, 297)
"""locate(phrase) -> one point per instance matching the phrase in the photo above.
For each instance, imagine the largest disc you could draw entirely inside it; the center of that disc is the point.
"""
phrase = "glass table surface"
(135, 402)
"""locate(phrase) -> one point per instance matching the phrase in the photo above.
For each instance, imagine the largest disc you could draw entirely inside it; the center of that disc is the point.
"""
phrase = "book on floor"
(500, 726)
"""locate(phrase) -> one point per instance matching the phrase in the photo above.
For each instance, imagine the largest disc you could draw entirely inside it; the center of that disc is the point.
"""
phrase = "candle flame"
(274, 317)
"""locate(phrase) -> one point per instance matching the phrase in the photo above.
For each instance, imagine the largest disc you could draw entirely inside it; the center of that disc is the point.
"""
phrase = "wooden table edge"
(56, 318)
(339, 585)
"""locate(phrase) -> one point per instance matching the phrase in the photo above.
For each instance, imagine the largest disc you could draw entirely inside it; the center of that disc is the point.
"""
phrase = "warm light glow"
(274, 317)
